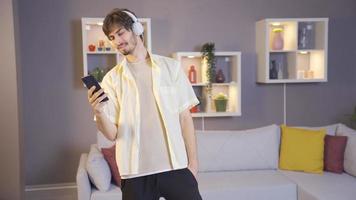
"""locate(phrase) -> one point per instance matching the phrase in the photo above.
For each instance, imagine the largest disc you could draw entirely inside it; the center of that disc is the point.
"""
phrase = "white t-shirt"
(154, 156)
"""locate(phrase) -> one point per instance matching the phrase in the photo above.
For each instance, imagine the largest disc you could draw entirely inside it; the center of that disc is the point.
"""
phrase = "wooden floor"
(57, 194)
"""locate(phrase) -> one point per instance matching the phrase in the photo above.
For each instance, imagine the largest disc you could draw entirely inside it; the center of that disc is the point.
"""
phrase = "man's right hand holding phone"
(95, 100)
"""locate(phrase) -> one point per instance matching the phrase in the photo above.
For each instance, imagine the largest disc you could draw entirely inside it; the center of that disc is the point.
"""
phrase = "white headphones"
(137, 27)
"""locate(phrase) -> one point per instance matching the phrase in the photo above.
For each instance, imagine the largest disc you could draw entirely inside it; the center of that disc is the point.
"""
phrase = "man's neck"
(139, 54)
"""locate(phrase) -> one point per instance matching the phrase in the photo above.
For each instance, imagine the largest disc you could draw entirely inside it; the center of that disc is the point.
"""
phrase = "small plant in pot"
(220, 101)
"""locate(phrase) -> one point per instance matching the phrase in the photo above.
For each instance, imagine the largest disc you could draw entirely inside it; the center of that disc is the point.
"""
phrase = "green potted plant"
(208, 54)
(208, 57)
(220, 101)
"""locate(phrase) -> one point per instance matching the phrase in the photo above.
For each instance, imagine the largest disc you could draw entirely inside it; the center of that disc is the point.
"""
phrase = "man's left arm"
(187, 126)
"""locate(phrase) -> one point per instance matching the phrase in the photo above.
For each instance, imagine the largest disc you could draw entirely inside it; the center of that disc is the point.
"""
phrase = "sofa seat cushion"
(248, 185)
(114, 193)
(327, 186)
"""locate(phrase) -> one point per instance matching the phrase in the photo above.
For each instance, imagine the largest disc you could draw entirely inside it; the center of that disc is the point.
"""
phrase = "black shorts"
(172, 185)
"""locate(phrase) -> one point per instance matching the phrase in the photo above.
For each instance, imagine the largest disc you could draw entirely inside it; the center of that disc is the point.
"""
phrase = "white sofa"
(243, 165)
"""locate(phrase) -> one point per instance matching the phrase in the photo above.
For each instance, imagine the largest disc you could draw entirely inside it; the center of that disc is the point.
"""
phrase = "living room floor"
(60, 194)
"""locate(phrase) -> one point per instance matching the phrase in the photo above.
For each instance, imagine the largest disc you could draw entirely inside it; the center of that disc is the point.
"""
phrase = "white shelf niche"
(231, 87)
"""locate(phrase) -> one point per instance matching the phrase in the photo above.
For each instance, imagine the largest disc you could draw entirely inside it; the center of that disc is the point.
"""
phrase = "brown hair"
(117, 17)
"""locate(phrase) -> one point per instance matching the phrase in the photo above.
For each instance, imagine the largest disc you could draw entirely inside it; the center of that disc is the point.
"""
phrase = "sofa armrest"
(83, 182)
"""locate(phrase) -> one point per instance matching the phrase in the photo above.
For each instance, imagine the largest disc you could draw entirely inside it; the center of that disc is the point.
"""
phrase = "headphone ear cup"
(137, 28)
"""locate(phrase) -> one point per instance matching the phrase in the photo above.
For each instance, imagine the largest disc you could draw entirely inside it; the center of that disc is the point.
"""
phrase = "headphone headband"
(132, 16)
(137, 27)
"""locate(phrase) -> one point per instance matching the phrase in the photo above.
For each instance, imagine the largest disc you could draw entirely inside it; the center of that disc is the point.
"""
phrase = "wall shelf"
(303, 56)
(230, 64)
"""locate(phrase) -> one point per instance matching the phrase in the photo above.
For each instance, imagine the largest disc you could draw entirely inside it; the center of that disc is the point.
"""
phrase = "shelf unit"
(303, 56)
(105, 59)
(230, 64)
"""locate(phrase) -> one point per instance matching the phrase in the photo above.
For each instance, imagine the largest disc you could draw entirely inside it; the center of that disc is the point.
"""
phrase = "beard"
(131, 45)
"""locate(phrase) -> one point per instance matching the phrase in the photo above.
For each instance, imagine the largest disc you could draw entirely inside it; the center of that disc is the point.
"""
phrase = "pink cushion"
(109, 155)
(334, 153)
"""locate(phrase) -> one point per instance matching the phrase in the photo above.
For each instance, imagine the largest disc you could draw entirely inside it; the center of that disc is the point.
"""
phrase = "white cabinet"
(292, 50)
(229, 63)
(102, 55)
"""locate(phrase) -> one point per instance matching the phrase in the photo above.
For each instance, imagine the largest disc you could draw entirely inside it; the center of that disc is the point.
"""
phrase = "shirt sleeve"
(186, 95)
(111, 108)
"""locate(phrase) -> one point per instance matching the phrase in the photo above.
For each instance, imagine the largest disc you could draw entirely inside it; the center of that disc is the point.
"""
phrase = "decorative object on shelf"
(192, 74)
(300, 74)
(194, 109)
(101, 45)
(91, 47)
(220, 77)
(305, 35)
(98, 74)
(280, 71)
(309, 74)
(273, 73)
(208, 54)
(220, 101)
(277, 38)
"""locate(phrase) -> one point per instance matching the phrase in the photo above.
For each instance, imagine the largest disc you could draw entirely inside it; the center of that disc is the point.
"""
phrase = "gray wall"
(11, 153)
(57, 118)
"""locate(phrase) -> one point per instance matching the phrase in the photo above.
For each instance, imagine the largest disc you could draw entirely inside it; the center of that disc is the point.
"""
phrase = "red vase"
(192, 74)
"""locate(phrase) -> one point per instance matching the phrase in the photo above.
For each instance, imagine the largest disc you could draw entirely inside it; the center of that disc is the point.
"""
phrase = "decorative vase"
(220, 105)
(192, 75)
(208, 104)
(220, 77)
(280, 71)
(277, 39)
(305, 35)
(273, 73)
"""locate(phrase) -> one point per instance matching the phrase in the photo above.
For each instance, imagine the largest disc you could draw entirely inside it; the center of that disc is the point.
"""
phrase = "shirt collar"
(153, 61)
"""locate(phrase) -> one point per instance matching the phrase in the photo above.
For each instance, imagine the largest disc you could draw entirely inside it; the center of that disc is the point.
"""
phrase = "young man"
(147, 116)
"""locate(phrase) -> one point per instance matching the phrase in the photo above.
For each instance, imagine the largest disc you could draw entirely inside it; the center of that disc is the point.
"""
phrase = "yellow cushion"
(302, 150)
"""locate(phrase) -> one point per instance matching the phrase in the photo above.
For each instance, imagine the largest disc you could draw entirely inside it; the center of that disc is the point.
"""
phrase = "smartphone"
(90, 81)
